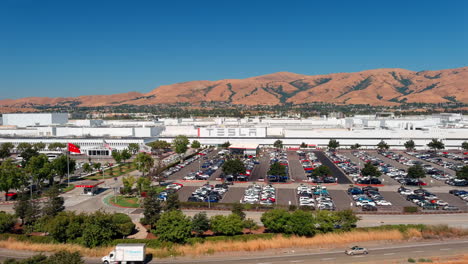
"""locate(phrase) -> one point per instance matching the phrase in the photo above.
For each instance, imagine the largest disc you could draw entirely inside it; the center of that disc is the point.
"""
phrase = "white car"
(383, 203)
(407, 192)
(441, 203)
(190, 177)
(364, 202)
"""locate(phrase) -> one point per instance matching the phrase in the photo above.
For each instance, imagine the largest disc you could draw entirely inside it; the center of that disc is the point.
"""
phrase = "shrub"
(7, 221)
(173, 226)
(410, 209)
(276, 220)
(227, 225)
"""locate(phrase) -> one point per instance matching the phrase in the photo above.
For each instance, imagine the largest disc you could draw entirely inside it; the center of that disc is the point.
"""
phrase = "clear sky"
(81, 47)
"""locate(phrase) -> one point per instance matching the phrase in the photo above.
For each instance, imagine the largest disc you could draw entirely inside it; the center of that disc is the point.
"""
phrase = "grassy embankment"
(250, 243)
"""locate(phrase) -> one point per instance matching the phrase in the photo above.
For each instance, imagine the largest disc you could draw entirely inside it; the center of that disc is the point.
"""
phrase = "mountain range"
(374, 87)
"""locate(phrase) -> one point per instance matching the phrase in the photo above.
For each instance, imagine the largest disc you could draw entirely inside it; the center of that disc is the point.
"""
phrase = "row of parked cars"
(209, 193)
(185, 163)
(264, 195)
(281, 157)
(207, 169)
(171, 188)
(347, 166)
(462, 194)
(436, 158)
(249, 164)
(425, 199)
(400, 175)
(368, 198)
(316, 197)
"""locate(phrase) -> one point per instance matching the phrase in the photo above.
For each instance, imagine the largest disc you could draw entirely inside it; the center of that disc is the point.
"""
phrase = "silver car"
(356, 250)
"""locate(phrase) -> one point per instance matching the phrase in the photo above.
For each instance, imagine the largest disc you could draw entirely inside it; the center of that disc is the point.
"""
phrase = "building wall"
(35, 119)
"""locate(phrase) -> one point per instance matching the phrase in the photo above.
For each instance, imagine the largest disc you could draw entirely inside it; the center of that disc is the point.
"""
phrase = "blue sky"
(71, 48)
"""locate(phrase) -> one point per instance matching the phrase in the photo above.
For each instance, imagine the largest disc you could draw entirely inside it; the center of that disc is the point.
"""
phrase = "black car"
(370, 188)
(368, 207)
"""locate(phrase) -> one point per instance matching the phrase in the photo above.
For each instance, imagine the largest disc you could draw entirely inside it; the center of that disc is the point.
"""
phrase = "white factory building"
(367, 130)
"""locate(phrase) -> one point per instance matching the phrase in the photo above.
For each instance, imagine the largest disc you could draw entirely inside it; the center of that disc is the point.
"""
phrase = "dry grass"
(455, 260)
(325, 240)
(14, 244)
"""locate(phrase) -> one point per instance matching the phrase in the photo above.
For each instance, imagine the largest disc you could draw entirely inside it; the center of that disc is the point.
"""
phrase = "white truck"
(126, 254)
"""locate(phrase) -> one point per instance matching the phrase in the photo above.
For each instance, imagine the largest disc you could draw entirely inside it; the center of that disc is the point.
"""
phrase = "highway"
(377, 254)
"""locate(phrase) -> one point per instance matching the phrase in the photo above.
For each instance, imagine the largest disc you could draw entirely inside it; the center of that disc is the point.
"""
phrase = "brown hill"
(375, 87)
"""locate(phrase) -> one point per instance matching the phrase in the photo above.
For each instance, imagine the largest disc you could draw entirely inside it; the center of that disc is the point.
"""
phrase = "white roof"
(244, 146)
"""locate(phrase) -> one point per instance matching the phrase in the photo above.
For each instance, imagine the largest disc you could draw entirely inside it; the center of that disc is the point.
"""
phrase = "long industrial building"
(366, 130)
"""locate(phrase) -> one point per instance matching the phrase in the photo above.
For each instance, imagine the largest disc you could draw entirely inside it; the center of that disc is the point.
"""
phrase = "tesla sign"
(231, 132)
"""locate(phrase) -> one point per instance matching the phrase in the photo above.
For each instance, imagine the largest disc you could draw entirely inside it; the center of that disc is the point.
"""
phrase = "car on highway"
(356, 250)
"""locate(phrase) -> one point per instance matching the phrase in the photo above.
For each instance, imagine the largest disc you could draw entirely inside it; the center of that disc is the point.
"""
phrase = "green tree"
(278, 144)
(410, 145)
(382, 145)
(158, 146)
(321, 170)
(56, 145)
(463, 173)
(250, 224)
(172, 202)
(464, 145)
(125, 155)
(151, 209)
(227, 225)
(40, 168)
(143, 162)
(370, 170)
(87, 168)
(143, 184)
(277, 169)
(11, 176)
(325, 221)
(226, 145)
(233, 166)
(39, 146)
(117, 156)
(5, 150)
(133, 148)
(7, 221)
(200, 223)
(346, 219)
(174, 226)
(195, 144)
(303, 145)
(436, 144)
(23, 146)
(301, 223)
(54, 204)
(128, 183)
(238, 209)
(333, 144)
(26, 152)
(62, 165)
(98, 229)
(416, 172)
(356, 146)
(27, 210)
(123, 223)
(97, 166)
(276, 220)
(180, 144)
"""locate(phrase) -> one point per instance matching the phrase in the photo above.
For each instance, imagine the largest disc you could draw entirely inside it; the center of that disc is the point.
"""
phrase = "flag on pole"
(73, 148)
(106, 145)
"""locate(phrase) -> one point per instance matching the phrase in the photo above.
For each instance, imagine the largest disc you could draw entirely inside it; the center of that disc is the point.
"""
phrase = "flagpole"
(68, 165)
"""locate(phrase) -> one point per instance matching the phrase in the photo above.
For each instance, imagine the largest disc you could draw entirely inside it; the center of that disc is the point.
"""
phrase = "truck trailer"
(126, 254)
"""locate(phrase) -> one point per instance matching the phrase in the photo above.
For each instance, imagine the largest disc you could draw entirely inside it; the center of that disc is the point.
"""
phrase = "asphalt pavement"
(336, 172)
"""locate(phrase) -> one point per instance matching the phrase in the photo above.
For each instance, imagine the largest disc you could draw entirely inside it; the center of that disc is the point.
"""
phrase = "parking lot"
(336, 172)
(295, 168)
